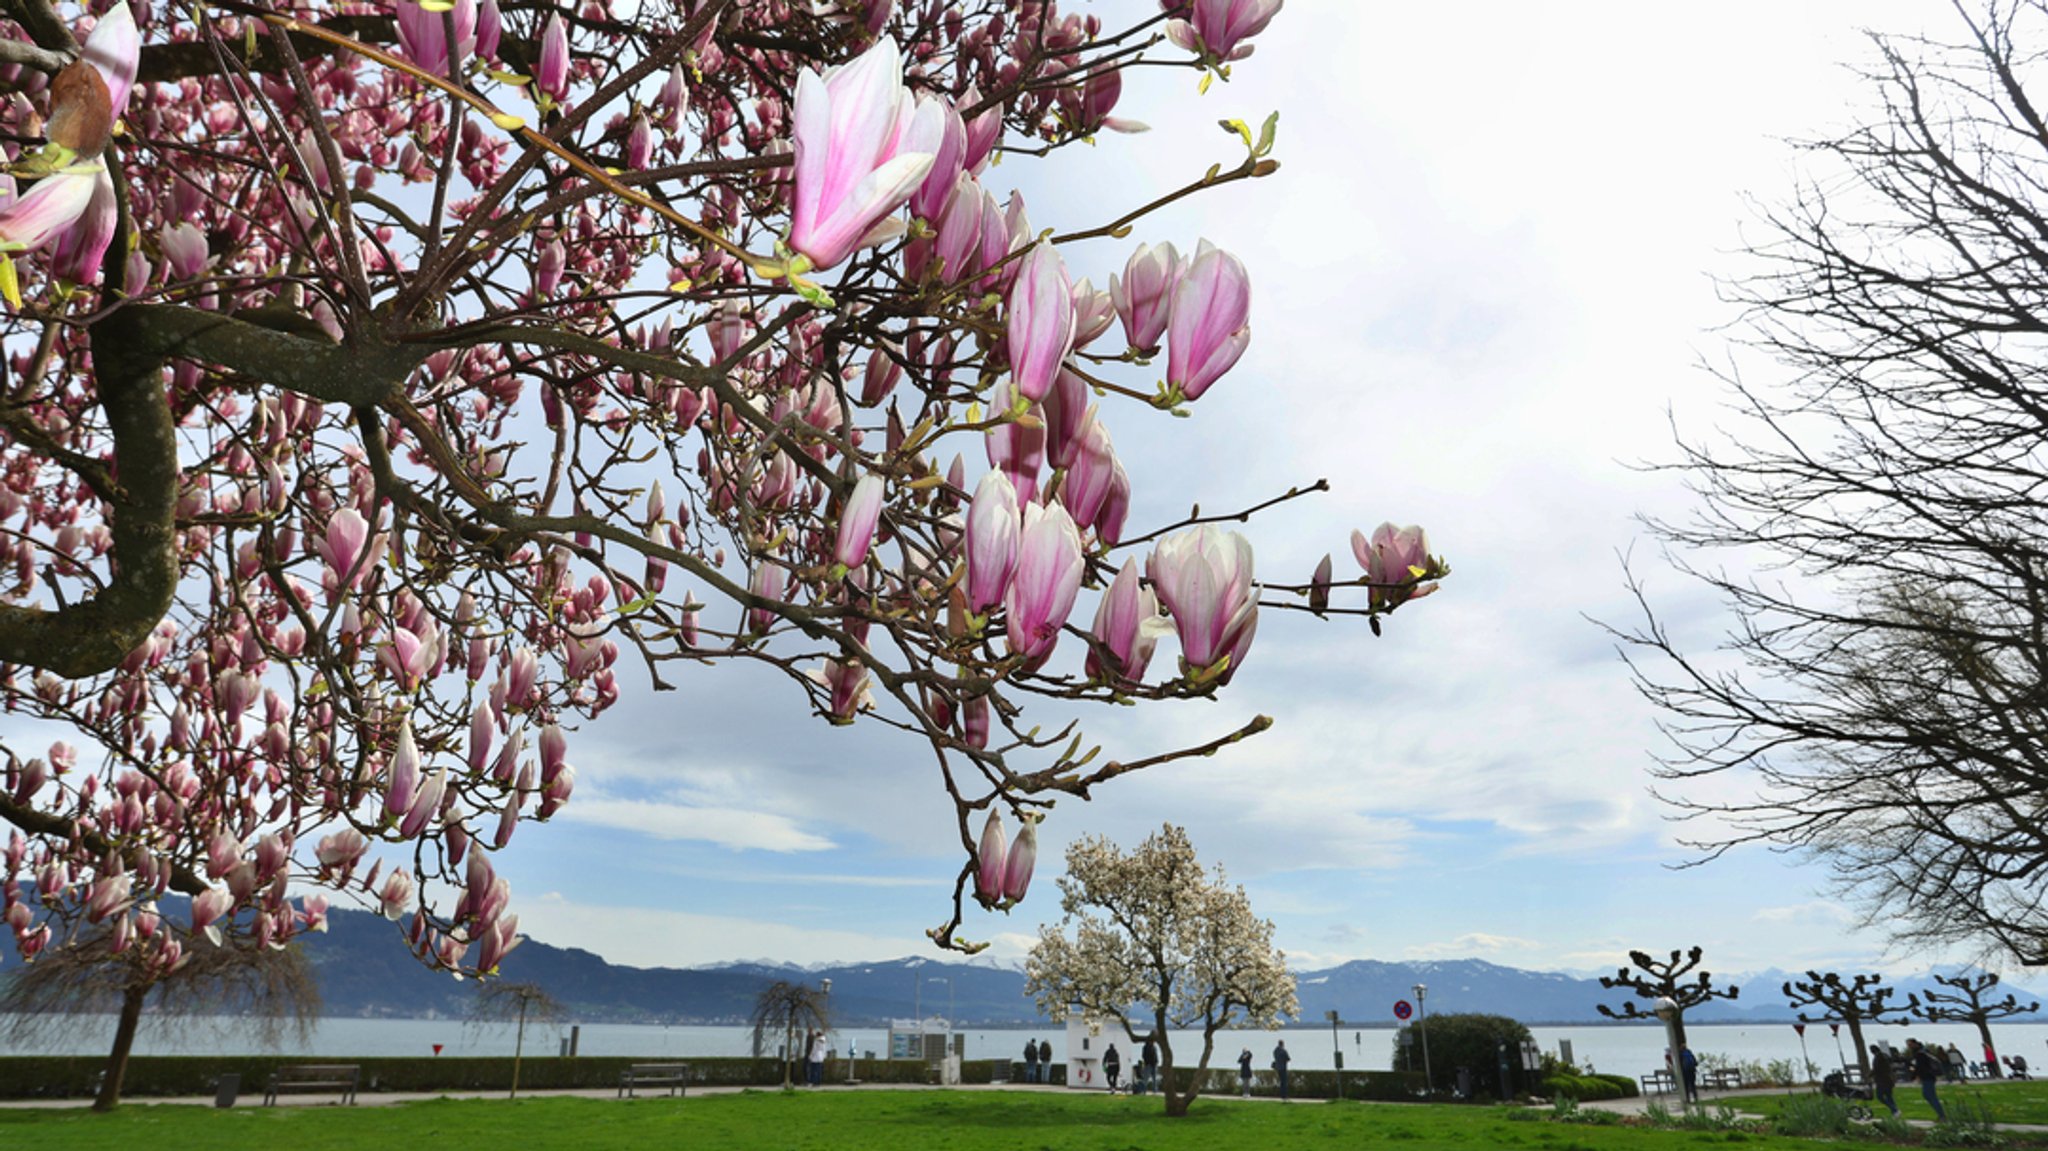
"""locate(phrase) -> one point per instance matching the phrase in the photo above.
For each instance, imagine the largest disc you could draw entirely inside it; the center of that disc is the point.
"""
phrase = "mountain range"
(366, 971)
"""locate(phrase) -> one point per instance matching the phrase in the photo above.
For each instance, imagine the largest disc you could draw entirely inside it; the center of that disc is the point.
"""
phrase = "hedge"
(1588, 1088)
(57, 1076)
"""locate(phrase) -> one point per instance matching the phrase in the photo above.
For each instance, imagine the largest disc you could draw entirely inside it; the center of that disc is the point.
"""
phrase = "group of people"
(1144, 1078)
(1037, 1059)
(1925, 1065)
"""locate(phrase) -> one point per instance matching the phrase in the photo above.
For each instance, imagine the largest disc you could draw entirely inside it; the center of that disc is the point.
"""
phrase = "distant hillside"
(366, 971)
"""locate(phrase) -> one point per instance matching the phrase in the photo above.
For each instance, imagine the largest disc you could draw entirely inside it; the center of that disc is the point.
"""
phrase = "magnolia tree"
(379, 376)
(1153, 931)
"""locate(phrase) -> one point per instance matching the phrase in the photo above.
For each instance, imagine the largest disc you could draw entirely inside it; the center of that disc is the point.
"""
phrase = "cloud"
(654, 937)
(1473, 943)
(1815, 913)
(734, 828)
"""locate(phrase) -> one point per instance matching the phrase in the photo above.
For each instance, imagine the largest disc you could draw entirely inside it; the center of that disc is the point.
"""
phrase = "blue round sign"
(1403, 1009)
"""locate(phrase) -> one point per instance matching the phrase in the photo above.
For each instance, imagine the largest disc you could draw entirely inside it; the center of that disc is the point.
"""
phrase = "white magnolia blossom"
(1152, 930)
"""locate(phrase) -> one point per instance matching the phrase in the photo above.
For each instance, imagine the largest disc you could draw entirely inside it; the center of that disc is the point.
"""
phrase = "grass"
(2008, 1101)
(843, 1121)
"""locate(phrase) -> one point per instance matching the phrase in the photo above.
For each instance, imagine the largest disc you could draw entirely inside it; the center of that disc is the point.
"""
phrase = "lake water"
(1626, 1049)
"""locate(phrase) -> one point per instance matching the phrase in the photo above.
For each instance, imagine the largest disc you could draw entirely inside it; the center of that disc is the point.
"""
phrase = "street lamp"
(1337, 1050)
(1422, 1025)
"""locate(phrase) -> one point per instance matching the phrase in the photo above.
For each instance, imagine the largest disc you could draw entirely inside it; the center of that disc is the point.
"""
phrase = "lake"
(1623, 1049)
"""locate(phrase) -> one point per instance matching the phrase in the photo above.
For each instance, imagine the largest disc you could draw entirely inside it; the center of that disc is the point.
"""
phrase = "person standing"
(814, 1059)
(1149, 1065)
(1689, 1070)
(1244, 1071)
(1883, 1077)
(1280, 1060)
(1031, 1061)
(1928, 1072)
(1112, 1063)
(1958, 1067)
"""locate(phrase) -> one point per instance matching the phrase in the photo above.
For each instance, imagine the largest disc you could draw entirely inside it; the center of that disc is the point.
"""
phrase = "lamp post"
(1667, 1010)
(1422, 1025)
(1337, 1050)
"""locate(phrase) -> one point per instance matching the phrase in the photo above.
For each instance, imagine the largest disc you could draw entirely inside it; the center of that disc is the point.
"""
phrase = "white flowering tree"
(1159, 945)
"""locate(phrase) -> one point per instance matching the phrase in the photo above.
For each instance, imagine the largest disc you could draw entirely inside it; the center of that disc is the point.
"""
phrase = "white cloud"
(652, 937)
(1470, 944)
(735, 828)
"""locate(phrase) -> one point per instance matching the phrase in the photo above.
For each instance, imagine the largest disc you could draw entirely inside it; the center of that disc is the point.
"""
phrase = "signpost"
(1403, 1009)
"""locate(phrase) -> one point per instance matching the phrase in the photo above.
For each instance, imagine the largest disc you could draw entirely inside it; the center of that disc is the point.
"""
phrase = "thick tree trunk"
(1990, 1052)
(124, 1040)
(1862, 1052)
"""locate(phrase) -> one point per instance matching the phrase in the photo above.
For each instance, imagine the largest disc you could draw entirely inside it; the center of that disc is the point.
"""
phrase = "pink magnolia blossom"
(1016, 447)
(1018, 866)
(1217, 29)
(1210, 325)
(1143, 296)
(401, 786)
(395, 894)
(1041, 321)
(863, 145)
(551, 73)
(1048, 577)
(54, 205)
(423, 34)
(990, 859)
(858, 521)
(1204, 577)
(76, 256)
(949, 163)
(1091, 475)
(1395, 559)
(993, 524)
(1121, 629)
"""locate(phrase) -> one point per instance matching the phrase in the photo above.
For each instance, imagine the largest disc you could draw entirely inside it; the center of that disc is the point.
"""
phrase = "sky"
(1484, 286)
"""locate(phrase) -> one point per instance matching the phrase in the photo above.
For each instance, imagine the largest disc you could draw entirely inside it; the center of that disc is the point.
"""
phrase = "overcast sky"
(1483, 277)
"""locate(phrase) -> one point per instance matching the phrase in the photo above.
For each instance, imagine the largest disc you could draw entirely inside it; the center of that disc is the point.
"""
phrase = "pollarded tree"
(1154, 933)
(1672, 979)
(1967, 1003)
(1861, 999)
(450, 352)
(1881, 694)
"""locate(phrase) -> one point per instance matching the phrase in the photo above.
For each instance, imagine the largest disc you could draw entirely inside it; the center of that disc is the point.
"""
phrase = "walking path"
(1640, 1104)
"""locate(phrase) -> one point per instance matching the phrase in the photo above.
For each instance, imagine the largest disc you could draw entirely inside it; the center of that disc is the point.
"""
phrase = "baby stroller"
(1836, 1086)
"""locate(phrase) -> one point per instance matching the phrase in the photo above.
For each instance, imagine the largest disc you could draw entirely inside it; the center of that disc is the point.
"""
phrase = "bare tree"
(1967, 1004)
(500, 1002)
(272, 989)
(1671, 979)
(1883, 692)
(788, 1008)
(1862, 998)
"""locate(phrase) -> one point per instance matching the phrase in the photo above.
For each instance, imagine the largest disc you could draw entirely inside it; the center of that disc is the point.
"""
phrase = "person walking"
(1689, 1070)
(1112, 1063)
(1244, 1071)
(1031, 1061)
(1280, 1060)
(1883, 1077)
(1928, 1072)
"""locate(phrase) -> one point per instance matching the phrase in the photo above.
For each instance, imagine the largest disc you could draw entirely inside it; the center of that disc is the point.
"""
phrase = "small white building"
(1085, 1045)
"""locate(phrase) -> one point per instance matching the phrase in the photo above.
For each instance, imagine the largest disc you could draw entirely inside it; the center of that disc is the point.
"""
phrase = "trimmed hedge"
(1588, 1088)
(57, 1076)
(1377, 1086)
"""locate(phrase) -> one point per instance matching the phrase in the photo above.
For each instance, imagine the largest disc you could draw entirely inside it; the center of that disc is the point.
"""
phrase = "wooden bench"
(674, 1076)
(1658, 1082)
(1725, 1078)
(340, 1077)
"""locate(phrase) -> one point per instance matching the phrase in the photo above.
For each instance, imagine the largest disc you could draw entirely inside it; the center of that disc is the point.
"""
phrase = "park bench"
(340, 1077)
(1725, 1078)
(1853, 1075)
(1658, 1082)
(674, 1076)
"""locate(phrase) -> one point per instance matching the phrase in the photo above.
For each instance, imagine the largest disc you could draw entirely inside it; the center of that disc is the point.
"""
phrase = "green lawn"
(837, 1121)
(2006, 1101)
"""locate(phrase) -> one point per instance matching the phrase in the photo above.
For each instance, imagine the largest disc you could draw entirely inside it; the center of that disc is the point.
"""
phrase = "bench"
(1853, 1076)
(1658, 1082)
(674, 1076)
(1725, 1078)
(340, 1077)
